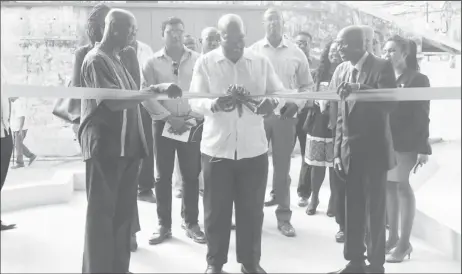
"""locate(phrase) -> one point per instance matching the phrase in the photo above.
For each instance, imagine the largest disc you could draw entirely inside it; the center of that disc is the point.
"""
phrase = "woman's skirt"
(405, 162)
(320, 142)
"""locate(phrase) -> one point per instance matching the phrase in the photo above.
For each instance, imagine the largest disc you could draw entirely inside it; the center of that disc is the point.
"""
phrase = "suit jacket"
(363, 128)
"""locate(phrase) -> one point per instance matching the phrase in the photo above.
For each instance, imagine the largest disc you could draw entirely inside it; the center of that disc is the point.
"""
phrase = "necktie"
(354, 75)
(353, 79)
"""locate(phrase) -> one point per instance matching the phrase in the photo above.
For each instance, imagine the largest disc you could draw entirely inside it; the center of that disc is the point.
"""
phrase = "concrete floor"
(50, 239)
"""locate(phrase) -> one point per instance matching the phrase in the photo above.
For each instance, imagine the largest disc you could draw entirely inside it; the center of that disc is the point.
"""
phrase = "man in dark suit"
(363, 151)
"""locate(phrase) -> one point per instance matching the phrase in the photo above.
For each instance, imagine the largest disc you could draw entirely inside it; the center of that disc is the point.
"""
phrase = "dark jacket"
(410, 121)
(363, 128)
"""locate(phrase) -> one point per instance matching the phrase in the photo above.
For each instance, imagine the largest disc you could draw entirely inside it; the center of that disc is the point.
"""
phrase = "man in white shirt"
(174, 64)
(19, 127)
(234, 145)
(6, 139)
(291, 66)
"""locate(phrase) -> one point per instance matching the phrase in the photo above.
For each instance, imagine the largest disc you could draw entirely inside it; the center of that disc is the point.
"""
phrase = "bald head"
(230, 23)
(210, 39)
(231, 29)
(120, 28)
(351, 43)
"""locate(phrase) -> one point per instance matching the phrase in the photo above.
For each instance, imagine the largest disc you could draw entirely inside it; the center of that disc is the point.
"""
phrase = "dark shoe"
(179, 193)
(194, 232)
(286, 229)
(7, 227)
(398, 256)
(340, 237)
(160, 235)
(375, 269)
(252, 269)
(311, 210)
(271, 201)
(214, 269)
(147, 196)
(133, 243)
(32, 159)
(16, 166)
(352, 268)
(302, 202)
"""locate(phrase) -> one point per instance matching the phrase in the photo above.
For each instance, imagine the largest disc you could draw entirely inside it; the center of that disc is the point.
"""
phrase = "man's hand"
(345, 89)
(422, 159)
(224, 103)
(289, 110)
(267, 106)
(172, 90)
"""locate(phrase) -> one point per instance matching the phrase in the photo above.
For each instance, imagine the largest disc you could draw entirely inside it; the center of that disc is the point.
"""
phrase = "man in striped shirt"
(112, 139)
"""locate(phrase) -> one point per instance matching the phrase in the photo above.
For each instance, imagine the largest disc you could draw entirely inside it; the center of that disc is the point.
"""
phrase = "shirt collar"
(219, 56)
(361, 62)
(283, 43)
(163, 53)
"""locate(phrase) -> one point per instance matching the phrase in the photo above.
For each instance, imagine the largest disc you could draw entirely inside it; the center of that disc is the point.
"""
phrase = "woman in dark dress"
(319, 142)
(409, 124)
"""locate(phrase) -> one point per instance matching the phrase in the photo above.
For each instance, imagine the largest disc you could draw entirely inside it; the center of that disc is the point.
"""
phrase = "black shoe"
(133, 243)
(286, 229)
(352, 268)
(147, 196)
(214, 269)
(194, 232)
(257, 269)
(340, 237)
(271, 201)
(160, 235)
(7, 227)
(312, 207)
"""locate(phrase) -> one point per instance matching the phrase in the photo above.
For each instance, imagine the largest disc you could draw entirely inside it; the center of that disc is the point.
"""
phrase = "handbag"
(68, 109)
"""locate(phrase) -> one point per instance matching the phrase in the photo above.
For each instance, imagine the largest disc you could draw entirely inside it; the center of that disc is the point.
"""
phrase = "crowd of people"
(218, 147)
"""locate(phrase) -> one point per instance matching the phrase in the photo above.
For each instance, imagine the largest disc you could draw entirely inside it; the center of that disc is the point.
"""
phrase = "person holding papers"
(174, 132)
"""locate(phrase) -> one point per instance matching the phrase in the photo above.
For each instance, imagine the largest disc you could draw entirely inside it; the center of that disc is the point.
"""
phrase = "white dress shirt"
(159, 69)
(225, 134)
(19, 109)
(290, 64)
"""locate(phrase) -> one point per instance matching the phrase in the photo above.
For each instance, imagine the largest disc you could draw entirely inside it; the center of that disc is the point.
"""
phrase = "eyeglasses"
(175, 67)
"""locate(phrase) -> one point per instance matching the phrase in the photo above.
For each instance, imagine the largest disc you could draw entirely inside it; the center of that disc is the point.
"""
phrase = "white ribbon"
(395, 94)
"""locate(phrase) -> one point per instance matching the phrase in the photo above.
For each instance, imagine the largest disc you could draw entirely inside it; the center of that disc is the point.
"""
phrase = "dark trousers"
(6, 151)
(338, 194)
(304, 180)
(111, 194)
(365, 214)
(244, 183)
(190, 167)
(146, 181)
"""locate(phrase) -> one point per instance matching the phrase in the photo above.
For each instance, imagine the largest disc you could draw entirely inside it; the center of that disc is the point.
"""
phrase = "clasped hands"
(237, 96)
